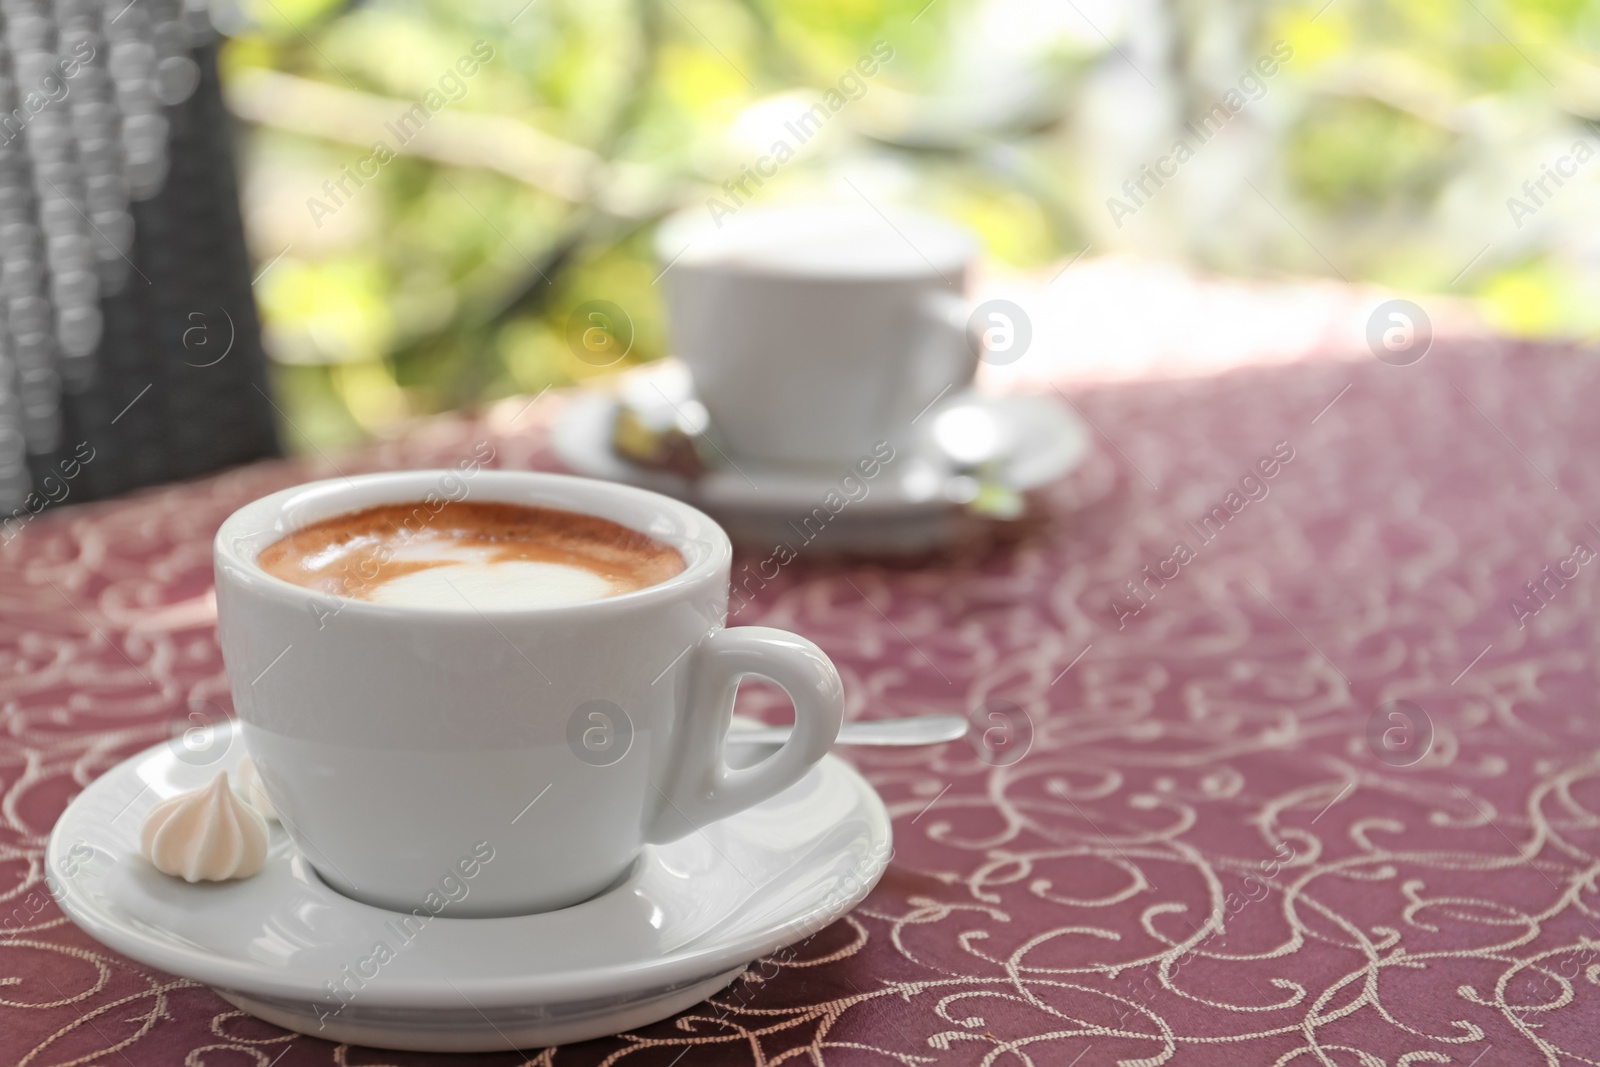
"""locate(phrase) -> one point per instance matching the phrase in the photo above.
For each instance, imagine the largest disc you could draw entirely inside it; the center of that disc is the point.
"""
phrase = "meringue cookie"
(251, 788)
(207, 835)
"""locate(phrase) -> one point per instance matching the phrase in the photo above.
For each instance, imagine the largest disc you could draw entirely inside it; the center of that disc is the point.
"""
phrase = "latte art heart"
(470, 556)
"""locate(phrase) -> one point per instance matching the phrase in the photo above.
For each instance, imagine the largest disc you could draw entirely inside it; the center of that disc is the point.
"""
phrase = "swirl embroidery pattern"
(1311, 790)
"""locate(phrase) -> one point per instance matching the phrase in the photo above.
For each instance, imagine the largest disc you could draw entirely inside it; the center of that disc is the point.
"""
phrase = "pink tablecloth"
(1093, 902)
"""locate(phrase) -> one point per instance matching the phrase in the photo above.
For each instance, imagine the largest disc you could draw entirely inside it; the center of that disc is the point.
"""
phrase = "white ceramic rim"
(959, 247)
(703, 544)
(634, 977)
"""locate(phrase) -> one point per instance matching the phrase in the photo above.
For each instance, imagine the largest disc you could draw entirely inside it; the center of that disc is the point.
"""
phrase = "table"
(1329, 795)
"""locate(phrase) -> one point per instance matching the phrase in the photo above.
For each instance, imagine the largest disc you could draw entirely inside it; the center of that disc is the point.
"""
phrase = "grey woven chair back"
(130, 350)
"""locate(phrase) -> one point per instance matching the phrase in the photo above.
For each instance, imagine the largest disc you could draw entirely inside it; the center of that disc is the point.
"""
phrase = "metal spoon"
(915, 730)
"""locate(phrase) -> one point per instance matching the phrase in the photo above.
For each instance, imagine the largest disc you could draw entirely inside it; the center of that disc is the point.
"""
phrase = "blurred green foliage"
(1394, 139)
(1359, 156)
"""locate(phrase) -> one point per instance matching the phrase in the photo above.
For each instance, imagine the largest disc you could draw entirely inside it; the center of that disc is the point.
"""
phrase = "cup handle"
(698, 786)
(950, 349)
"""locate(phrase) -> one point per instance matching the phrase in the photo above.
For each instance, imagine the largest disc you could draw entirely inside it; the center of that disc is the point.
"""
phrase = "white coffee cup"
(400, 743)
(814, 331)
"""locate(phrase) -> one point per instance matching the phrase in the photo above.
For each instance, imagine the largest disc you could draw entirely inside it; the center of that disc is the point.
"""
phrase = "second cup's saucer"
(683, 923)
(1011, 443)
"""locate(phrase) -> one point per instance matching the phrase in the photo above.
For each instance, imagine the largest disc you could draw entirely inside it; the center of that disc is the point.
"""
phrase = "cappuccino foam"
(470, 556)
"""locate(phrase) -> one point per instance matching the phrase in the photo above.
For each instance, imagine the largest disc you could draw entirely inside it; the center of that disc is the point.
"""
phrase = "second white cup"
(815, 331)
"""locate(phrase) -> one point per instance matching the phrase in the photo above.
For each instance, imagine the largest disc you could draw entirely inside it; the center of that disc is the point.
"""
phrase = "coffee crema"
(470, 556)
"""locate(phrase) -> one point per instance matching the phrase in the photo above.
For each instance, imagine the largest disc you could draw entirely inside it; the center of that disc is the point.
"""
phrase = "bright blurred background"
(1429, 146)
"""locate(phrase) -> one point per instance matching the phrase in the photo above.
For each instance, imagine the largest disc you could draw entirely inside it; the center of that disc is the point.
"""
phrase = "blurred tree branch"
(499, 143)
(593, 220)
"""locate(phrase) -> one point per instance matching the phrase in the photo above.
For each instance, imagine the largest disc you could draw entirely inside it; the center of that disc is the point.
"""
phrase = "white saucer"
(908, 505)
(685, 921)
